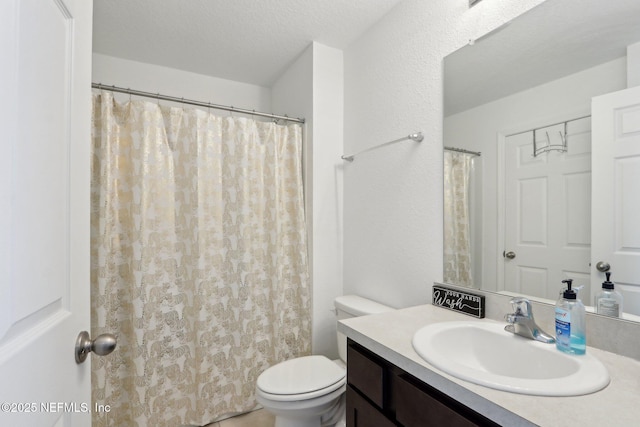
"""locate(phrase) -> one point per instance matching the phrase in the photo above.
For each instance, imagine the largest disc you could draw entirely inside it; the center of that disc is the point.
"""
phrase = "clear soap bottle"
(570, 322)
(609, 301)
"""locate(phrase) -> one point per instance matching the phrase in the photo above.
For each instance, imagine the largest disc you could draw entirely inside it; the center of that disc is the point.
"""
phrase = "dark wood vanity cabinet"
(379, 394)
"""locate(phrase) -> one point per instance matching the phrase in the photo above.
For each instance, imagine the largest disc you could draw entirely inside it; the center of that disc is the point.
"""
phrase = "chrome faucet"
(521, 322)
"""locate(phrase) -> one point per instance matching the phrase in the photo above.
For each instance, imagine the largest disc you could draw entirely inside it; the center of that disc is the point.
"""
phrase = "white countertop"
(389, 335)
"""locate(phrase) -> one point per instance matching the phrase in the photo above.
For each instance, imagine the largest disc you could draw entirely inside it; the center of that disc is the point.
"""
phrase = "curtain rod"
(462, 150)
(417, 137)
(192, 102)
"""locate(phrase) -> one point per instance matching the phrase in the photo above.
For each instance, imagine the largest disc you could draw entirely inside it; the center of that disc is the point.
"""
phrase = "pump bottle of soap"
(609, 301)
(570, 322)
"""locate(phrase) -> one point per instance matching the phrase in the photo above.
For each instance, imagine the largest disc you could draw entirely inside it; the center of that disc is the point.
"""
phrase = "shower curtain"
(199, 260)
(457, 240)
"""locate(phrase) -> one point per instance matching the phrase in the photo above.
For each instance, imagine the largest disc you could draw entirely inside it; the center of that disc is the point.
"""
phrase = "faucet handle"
(521, 306)
(510, 317)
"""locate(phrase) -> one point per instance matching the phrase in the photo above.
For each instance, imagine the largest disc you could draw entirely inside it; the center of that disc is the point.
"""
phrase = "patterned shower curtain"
(457, 239)
(199, 260)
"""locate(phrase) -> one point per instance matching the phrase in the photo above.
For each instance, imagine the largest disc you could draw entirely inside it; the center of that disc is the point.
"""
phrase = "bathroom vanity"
(381, 394)
(389, 384)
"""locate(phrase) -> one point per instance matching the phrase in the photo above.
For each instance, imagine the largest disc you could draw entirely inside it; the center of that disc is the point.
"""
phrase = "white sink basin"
(484, 353)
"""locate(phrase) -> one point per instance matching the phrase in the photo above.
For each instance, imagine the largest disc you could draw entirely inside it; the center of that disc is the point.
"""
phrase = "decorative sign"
(470, 304)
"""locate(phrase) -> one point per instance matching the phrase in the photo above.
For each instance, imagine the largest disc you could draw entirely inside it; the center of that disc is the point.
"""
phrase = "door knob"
(510, 254)
(603, 266)
(102, 345)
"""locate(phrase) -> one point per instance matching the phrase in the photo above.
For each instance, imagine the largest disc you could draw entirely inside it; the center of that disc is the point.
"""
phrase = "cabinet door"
(419, 406)
(366, 373)
(361, 413)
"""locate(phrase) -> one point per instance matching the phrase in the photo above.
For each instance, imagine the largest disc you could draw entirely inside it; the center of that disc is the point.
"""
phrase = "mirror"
(528, 86)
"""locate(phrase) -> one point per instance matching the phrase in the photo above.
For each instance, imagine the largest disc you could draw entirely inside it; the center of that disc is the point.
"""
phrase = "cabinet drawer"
(366, 373)
(361, 413)
(419, 405)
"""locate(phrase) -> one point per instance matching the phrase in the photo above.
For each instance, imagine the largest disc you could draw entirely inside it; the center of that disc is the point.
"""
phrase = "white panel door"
(45, 48)
(616, 192)
(547, 220)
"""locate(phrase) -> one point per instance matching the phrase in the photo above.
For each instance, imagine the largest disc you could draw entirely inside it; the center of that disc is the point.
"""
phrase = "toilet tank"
(354, 306)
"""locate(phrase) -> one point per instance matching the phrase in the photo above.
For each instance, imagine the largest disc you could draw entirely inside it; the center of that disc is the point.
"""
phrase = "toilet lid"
(301, 375)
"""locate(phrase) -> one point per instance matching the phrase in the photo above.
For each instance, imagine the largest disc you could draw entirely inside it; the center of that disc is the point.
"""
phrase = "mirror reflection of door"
(616, 192)
(547, 210)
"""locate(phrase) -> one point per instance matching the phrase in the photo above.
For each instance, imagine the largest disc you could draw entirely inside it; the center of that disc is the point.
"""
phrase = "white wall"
(477, 129)
(328, 134)
(633, 65)
(109, 70)
(393, 196)
(313, 88)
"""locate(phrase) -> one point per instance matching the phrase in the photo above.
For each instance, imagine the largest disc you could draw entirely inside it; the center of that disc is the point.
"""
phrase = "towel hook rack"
(550, 146)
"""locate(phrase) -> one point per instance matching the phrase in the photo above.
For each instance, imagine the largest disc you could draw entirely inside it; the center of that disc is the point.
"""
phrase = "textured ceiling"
(251, 41)
(553, 40)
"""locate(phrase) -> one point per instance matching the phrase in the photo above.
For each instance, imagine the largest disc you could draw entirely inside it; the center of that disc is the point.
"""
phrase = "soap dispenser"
(570, 322)
(609, 301)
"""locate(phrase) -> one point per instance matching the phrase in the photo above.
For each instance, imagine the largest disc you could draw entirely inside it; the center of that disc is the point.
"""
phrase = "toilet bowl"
(299, 392)
(309, 391)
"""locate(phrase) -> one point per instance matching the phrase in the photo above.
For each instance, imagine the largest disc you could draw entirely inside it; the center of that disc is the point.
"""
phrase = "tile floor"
(259, 418)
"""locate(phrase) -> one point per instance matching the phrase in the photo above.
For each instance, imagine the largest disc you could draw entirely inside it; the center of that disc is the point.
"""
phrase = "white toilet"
(309, 391)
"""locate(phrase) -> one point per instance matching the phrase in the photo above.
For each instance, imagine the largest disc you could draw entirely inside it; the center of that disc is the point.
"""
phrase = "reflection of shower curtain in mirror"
(457, 240)
(198, 260)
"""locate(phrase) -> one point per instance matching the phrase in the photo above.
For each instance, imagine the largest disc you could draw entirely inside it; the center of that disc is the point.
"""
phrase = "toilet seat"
(302, 378)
